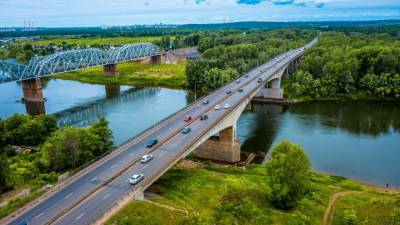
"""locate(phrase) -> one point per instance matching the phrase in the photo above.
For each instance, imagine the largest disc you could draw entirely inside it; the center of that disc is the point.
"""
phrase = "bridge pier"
(32, 90)
(274, 91)
(35, 108)
(111, 70)
(225, 148)
(156, 59)
(112, 90)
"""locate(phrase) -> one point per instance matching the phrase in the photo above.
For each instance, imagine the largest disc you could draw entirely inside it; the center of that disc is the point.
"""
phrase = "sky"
(72, 13)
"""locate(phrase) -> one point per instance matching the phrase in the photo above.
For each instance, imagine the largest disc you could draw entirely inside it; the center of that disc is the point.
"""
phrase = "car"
(228, 92)
(240, 90)
(186, 130)
(151, 143)
(246, 75)
(146, 158)
(204, 117)
(206, 101)
(136, 178)
(188, 118)
(238, 81)
(217, 107)
(227, 106)
(259, 80)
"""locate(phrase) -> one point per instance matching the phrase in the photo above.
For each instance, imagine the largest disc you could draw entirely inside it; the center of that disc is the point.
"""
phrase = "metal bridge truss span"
(73, 60)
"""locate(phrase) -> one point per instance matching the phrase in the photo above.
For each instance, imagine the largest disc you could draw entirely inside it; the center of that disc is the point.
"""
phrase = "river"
(359, 140)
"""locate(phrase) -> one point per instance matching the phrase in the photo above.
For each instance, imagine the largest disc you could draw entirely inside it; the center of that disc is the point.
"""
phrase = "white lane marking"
(106, 196)
(161, 154)
(113, 165)
(93, 179)
(145, 166)
(37, 217)
(131, 154)
(170, 129)
(80, 216)
(69, 195)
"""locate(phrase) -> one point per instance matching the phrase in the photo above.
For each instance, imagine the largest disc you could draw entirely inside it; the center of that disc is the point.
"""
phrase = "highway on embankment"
(98, 188)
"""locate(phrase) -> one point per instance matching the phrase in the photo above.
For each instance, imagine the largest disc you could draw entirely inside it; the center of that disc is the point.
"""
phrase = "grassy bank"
(134, 73)
(232, 195)
(92, 41)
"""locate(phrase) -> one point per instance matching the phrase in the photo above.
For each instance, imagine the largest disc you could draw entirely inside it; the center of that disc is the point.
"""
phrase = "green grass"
(231, 195)
(93, 41)
(17, 203)
(134, 73)
(370, 207)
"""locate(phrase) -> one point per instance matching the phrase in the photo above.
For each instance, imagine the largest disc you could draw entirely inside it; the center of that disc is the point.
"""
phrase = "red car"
(188, 118)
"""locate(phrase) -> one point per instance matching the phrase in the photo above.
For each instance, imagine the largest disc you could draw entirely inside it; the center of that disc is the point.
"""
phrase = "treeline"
(35, 149)
(228, 54)
(350, 66)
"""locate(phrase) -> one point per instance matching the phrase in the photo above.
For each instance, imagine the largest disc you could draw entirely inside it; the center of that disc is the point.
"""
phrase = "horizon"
(62, 13)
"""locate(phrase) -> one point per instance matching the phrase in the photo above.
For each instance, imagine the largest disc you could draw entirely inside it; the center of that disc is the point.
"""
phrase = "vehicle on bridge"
(238, 81)
(136, 178)
(217, 107)
(240, 90)
(227, 106)
(259, 80)
(204, 117)
(206, 101)
(188, 118)
(151, 143)
(246, 75)
(186, 130)
(228, 92)
(146, 158)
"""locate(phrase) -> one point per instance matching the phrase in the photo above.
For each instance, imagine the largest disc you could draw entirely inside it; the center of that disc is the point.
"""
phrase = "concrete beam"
(111, 70)
(32, 90)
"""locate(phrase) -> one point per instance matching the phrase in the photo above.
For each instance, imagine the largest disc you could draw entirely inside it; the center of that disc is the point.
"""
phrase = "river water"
(357, 140)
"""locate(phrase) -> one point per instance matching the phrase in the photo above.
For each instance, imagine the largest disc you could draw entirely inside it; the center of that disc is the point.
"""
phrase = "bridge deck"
(95, 192)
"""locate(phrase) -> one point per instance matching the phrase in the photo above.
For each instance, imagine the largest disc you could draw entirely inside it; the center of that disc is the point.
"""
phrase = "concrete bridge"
(89, 196)
(67, 61)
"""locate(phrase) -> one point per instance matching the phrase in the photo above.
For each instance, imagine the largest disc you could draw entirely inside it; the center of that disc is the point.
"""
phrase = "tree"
(5, 178)
(105, 136)
(288, 174)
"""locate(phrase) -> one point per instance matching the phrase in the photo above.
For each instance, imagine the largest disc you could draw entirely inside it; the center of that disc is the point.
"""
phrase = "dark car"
(188, 118)
(246, 75)
(151, 143)
(228, 92)
(259, 80)
(204, 117)
(241, 90)
(206, 101)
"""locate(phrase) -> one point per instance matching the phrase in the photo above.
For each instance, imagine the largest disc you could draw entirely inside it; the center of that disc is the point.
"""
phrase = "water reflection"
(112, 90)
(35, 108)
(358, 140)
(85, 114)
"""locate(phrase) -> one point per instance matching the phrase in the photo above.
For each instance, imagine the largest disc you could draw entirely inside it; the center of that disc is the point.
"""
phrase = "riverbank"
(134, 74)
(231, 195)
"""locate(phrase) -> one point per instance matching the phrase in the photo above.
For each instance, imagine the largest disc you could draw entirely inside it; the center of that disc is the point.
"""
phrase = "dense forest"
(227, 55)
(343, 65)
(34, 150)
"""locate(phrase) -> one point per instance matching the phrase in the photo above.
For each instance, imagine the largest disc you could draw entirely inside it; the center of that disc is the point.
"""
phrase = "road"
(104, 185)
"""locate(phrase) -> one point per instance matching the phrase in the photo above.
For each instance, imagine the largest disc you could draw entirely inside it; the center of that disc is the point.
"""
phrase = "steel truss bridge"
(73, 60)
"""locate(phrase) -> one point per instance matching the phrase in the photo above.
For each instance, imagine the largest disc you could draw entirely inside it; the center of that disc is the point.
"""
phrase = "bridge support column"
(226, 148)
(274, 91)
(112, 90)
(155, 59)
(32, 90)
(139, 196)
(111, 70)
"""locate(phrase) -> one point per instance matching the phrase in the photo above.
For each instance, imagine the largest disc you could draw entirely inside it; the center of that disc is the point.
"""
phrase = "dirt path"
(168, 207)
(332, 205)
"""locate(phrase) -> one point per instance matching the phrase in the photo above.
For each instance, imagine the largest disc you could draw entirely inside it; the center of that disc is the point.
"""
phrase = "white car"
(136, 178)
(227, 106)
(217, 107)
(146, 158)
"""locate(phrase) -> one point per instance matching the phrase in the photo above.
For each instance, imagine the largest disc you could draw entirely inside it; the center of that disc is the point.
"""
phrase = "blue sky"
(59, 13)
